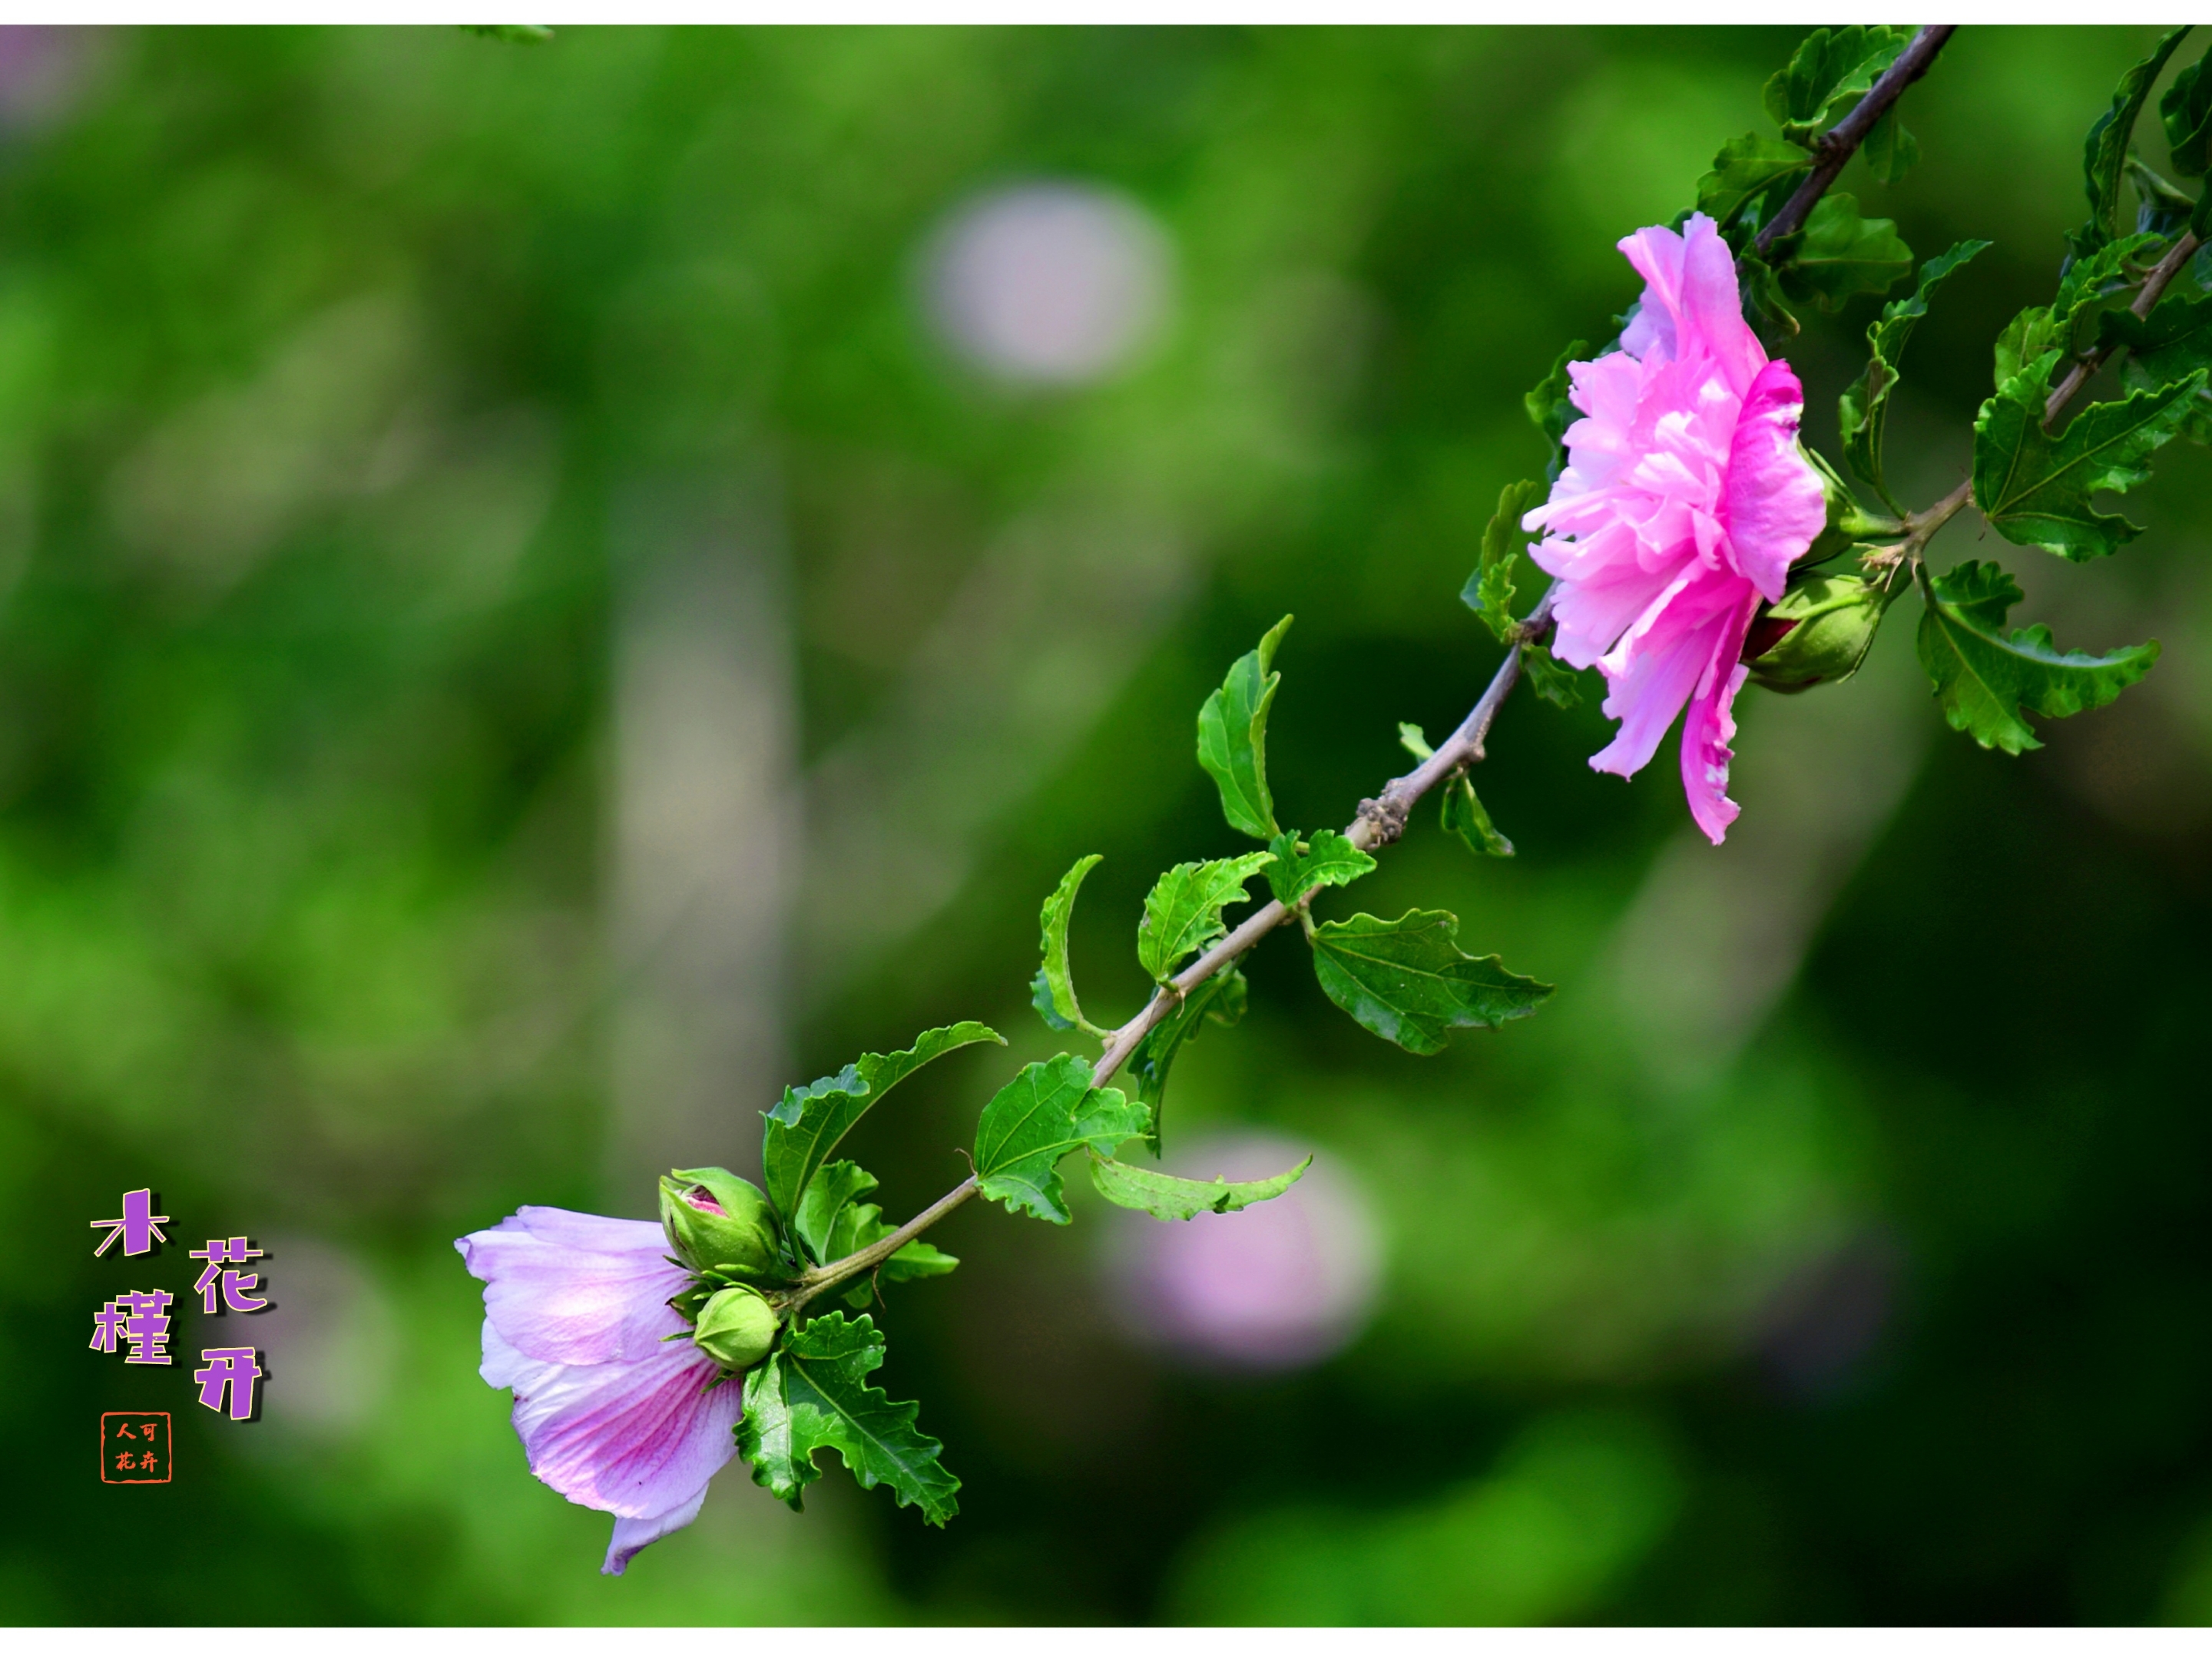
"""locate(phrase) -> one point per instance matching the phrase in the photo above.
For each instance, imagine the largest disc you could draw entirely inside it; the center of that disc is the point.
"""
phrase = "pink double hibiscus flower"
(611, 1414)
(1684, 503)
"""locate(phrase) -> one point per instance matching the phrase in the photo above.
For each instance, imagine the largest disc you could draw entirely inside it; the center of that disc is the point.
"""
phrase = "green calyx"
(1818, 631)
(736, 1327)
(719, 1222)
(1848, 521)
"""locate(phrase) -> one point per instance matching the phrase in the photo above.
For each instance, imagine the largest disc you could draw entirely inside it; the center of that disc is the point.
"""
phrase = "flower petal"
(582, 1290)
(1774, 504)
(632, 1535)
(1711, 727)
(1660, 662)
(640, 1439)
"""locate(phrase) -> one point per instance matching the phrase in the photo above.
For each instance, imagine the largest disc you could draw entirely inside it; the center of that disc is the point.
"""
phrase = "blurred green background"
(524, 631)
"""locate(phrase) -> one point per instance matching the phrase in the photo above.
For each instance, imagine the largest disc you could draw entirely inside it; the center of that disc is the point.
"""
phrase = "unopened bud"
(737, 1328)
(1818, 632)
(716, 1220)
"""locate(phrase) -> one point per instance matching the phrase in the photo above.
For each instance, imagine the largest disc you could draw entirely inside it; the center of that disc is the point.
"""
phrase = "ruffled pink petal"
(1774, 504)
(1711, 728)
(1710, 323)
(1656, 253)
(581, 1290)
(641, 1439)
(1659, 662)
(633, 1535)
(1590, 614)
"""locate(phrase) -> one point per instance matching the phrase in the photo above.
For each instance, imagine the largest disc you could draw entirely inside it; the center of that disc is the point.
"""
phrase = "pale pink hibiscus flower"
(611, 1416)
(1684, 502)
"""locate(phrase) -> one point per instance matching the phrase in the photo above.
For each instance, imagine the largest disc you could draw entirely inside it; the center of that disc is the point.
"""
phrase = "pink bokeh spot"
(1684, 502)
(1280, 1286)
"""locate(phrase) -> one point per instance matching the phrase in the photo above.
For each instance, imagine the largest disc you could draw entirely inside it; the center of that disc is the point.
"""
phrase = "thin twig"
(1382, 820)
(861, 1262)
(1840, 142)
(2153, 285)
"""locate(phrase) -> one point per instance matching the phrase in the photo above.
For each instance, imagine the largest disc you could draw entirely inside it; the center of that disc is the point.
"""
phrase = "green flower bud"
(716, 1220)
(1818, 632)
(737, 1327)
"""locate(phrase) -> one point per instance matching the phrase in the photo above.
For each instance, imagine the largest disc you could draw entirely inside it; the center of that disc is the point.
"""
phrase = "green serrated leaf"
(1232, 737)
(1465, 816)
(813, 1396)
(1053, 991)
(833, 1224)
(824, 1204)
(2172, 343)
(2104, 154)
(1171, 1198)
(1220, 1001)
(2185, 112)
(2094, 285)
(803, 1129)
(1863, 409)
(1328, 860)
(1550, 409)
(1831, 71)
(1407, 980)
(1986, 678)
(1550, 678)
(1489, 591)
(2035, 487)
(1182, 913)
(1841, 253)
(1889, 150)
(1047, 1112)
(1744, 172)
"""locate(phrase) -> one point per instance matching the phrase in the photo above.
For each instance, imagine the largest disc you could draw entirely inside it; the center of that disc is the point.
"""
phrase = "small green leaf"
(1053, 991)
(1863, 409)
(1745, 171)
(1550, 410)
(1985, 677)
(1549, 678)
(1759, 289)
(1171, 1198)
(1232, 737)
(2093, 284)
(832, 1225)
(834, 1188)
(2034, 486)
(2185, 112)
(1464, 816)
(1489, 591)
(1415, 740)
(813, 1396)
(1182, 913)
(1045, 1113)
(2162, 209)
(1840, 253)
(1407, 980)
(803, 1128)
(1889, 150)
(1831, 71)
(1328, 860)
(1220, 1001)
(2104, 154)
